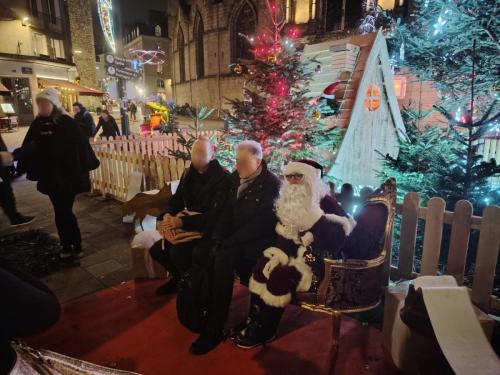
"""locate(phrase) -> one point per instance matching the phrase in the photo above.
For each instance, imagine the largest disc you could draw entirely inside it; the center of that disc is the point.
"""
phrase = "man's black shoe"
(206, 343)
(170, 287)
(22, 220)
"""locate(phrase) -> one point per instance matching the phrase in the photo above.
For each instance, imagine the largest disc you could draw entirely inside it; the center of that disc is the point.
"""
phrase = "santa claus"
(311, 226)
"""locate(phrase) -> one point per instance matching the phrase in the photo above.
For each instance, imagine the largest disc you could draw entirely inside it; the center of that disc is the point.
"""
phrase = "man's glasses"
(295, 177)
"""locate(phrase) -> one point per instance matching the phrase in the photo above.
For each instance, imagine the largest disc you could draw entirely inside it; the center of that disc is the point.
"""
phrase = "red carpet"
(128, 327)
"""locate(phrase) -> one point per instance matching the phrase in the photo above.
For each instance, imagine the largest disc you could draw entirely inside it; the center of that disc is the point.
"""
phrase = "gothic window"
(180, 51)
(200, 57)
(244, 23)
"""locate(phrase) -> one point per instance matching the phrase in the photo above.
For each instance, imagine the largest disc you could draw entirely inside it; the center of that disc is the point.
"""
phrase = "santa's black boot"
(256, 304)
(262, 330)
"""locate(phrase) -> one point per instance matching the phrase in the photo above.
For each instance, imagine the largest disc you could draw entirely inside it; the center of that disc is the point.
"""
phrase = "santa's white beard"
(293, 205)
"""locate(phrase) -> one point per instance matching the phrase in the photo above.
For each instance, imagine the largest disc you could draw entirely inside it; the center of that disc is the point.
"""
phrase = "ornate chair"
(353, 284)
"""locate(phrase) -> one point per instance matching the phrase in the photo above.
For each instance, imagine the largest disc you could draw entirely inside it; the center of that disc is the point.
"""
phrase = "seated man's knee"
(156, 251)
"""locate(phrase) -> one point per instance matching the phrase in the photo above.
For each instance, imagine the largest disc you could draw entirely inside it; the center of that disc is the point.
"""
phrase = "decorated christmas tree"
(436, 44)
(276, 110)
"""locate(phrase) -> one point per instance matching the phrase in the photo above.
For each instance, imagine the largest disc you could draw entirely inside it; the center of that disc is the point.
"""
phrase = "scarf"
(245, 182)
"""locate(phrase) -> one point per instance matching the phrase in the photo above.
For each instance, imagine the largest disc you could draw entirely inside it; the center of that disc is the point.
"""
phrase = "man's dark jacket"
(249, 220)
(86, 122)
(201, 192)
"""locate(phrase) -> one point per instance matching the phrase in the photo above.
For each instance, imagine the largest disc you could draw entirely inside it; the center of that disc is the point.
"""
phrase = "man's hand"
(172, 222)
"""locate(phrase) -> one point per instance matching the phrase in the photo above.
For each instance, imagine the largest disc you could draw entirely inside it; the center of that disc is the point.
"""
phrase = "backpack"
(193, 297)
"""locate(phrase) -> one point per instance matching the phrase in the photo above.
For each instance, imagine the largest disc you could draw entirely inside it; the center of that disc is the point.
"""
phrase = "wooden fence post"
(459, 240)
(486, 258)
(432, 236)
(408, 235)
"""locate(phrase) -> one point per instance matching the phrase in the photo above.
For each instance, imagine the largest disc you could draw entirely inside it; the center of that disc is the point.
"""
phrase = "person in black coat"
(57, 154)
(108, 125)
(202, 189)
(84, 119)
(244, 231)
(7, 199)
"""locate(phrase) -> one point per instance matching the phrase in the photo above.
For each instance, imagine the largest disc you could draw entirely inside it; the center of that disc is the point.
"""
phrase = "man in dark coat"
(84, 119)
(244, 231)
(202, 190)
(7, 200)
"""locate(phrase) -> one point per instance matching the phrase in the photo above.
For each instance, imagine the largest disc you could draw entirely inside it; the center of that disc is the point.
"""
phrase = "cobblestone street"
(106, 241)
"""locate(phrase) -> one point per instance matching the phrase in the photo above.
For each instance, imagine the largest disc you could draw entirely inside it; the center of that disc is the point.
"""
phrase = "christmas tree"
(275, 110)
(436, 44)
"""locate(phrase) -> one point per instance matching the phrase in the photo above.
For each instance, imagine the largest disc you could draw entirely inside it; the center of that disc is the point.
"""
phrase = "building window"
(33, 7)
(57, 46)
(160, 84)
(372, 101)
(302, 11)
(51, 11)
(386, 4)
(40, 45)
(244, 25)
(180, 50)
(200, 57)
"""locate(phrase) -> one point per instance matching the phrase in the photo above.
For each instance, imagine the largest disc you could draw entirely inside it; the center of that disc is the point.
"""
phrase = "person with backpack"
(56, 153)
(84, 119)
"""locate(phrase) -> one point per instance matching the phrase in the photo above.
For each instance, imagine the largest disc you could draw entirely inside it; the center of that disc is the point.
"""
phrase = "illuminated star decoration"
(104, 9)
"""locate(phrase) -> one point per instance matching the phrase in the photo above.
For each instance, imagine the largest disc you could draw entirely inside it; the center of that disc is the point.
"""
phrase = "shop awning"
(71, 86)
(4, 90)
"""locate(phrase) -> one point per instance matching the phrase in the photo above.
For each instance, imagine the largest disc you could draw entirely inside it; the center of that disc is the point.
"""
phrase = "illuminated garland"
(104, 9)
(149, 57)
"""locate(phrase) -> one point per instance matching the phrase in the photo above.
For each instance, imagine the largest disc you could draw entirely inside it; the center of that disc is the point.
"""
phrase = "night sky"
(126, 12)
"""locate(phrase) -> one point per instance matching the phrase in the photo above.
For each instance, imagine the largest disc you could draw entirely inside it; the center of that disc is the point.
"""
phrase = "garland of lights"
(104, 9)
(149, 57)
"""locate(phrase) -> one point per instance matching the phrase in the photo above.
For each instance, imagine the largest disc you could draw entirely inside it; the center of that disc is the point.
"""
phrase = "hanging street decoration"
(149, 57)
(104, 9)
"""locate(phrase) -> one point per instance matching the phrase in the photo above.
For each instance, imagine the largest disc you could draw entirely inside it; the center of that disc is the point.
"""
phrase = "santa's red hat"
(329, 91)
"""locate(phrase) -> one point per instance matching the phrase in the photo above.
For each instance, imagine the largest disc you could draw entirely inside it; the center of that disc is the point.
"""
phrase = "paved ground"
(106, 240)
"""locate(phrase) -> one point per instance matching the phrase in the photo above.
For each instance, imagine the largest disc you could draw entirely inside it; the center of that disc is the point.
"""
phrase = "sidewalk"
(106, 241)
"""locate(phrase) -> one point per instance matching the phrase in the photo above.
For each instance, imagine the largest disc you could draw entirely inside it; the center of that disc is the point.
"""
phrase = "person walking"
(57, 154)
(108, 125)
(84, 119)
(7, 199)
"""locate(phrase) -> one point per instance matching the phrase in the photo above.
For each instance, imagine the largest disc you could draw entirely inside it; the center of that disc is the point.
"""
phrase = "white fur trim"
(256, 287)
(274, 252)
(302, 168)
(306, 272)
(301, 251)
(276, 301)
(281, 231)
(307, 239)
(276, 257)
(342, 220)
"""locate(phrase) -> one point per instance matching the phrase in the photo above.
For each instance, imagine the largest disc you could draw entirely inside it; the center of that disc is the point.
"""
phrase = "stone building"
(40, 48)
(205, 39)
(82, 40)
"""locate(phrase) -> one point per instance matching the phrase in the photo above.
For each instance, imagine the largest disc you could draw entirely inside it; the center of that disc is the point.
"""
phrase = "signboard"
(26, 70)
(120, 67)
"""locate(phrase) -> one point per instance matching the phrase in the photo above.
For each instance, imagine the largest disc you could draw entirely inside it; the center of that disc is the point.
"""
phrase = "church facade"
(205, 40)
